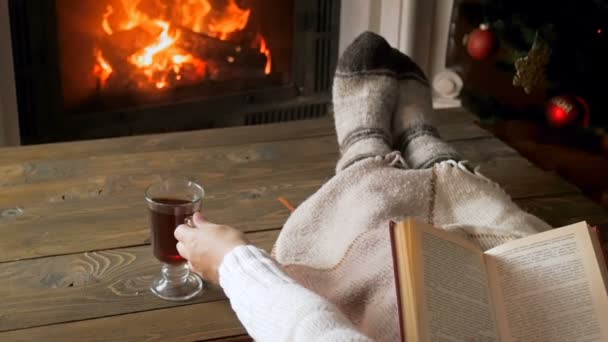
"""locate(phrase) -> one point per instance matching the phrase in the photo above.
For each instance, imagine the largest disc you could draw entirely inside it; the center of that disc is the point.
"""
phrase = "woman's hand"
(206, 244)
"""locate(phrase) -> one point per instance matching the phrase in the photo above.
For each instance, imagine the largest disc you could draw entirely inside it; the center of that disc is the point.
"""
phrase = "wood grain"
(242, 186)
(65, 161)
(563, 210)
(56, 180)
(88, 285)
(121, 220)
(240, 338)
(519, 177)
(170, 141)
(452, 124)
(197, 322)
(213, 163)
(457, 124)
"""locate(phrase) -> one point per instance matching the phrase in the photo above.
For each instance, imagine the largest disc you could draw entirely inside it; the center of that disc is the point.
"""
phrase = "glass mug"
(172, 202)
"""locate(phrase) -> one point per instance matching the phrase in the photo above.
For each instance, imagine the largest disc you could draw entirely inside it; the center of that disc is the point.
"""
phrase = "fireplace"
(103, 68)
(147, 52)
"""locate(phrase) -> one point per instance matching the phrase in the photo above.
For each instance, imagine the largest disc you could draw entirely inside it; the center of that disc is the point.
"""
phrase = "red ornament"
(565, 111)
(481, 43)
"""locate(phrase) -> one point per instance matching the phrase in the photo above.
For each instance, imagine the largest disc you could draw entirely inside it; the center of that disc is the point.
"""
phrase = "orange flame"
(162, 57)
(193, 14)
(264, 49)
(145, 58)
(105, 24)
(102, 69)
(134, 16)
(163, 62)
(233, 19)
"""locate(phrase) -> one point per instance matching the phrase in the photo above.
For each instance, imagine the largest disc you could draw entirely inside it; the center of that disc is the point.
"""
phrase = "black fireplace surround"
(303, 92)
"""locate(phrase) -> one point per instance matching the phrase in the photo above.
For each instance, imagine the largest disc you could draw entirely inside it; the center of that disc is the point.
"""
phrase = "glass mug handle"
(189, 221)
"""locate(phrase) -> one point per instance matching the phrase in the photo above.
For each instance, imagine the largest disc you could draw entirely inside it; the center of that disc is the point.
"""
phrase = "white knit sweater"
(273, 307)
(336, 282)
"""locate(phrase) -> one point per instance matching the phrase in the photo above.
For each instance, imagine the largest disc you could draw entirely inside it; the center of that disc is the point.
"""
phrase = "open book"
(551, 286)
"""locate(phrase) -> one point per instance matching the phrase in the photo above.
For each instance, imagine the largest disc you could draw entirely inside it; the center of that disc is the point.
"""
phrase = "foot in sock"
(365, 95)
(415, 136)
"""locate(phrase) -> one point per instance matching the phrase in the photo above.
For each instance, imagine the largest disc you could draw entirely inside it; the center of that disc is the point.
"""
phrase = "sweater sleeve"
(273, 307)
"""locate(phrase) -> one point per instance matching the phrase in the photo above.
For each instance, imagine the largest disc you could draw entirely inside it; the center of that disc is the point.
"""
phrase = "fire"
(266, 52)
(164, 61)
(105, 24)
(193, 14)
(145, 58)
(234, 19)
(102, 69)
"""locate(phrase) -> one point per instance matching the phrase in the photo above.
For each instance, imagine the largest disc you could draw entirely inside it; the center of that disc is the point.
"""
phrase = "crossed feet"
(382, 103)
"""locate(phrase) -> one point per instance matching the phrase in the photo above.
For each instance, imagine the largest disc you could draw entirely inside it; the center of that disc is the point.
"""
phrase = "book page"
(455, 289)
(548, 287)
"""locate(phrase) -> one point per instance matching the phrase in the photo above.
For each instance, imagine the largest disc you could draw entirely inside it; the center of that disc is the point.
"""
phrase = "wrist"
(249, 264)
(228, 250)
(228, 253)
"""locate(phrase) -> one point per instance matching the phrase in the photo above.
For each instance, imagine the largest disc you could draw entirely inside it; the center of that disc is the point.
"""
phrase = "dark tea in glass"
(163, 222)
(171, 202)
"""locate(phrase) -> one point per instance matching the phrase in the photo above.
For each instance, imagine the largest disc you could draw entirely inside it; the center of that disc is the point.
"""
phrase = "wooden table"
(75, 264)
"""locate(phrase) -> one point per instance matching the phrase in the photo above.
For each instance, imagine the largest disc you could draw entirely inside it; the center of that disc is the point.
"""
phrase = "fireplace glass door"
(87, 69)
(117, 54)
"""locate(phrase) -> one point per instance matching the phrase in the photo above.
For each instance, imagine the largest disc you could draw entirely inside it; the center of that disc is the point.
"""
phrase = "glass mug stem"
(175, 274)
(176, 283)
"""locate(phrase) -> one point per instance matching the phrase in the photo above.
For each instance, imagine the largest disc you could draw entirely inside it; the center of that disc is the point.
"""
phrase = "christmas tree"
(535, 59)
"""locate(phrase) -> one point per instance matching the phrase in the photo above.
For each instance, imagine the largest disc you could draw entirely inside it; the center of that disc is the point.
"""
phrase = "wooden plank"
(213, 162)
(41, 219)
(516, 175)
(169, 141)
(457, 124)
(88, 285)
(452, 124)
(243, 184)
(121, 219)
(27, 167)
(240, 338)
(215, 165)
(559, 211)
(197, 322)
(74, 194)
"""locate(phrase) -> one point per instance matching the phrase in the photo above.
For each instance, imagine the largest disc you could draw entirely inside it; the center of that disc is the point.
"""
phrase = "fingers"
(199, 220)
(184, 232)
(193, 269)
(182, 250)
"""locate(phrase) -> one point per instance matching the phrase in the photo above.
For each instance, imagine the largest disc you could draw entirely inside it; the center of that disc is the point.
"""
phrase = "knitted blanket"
(337, 242)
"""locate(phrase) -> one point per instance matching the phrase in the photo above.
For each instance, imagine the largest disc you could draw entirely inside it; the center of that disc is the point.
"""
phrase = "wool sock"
(415, 135)
(365, 94)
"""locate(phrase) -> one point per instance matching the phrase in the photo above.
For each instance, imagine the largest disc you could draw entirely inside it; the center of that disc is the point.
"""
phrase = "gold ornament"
(531, 68)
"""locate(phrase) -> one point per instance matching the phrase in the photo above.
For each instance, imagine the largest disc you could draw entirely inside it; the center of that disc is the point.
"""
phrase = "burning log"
(126, 59)
(223, 53)
(127, 42)
(236, 73)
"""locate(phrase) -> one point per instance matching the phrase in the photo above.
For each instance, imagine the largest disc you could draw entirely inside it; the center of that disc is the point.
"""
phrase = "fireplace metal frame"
(38, 83)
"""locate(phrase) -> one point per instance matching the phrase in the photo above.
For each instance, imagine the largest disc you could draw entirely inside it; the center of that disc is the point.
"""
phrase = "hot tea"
(163, 222)
(171, 202)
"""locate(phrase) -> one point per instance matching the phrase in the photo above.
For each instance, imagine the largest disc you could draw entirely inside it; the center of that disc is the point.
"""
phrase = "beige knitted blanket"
(337, 242)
